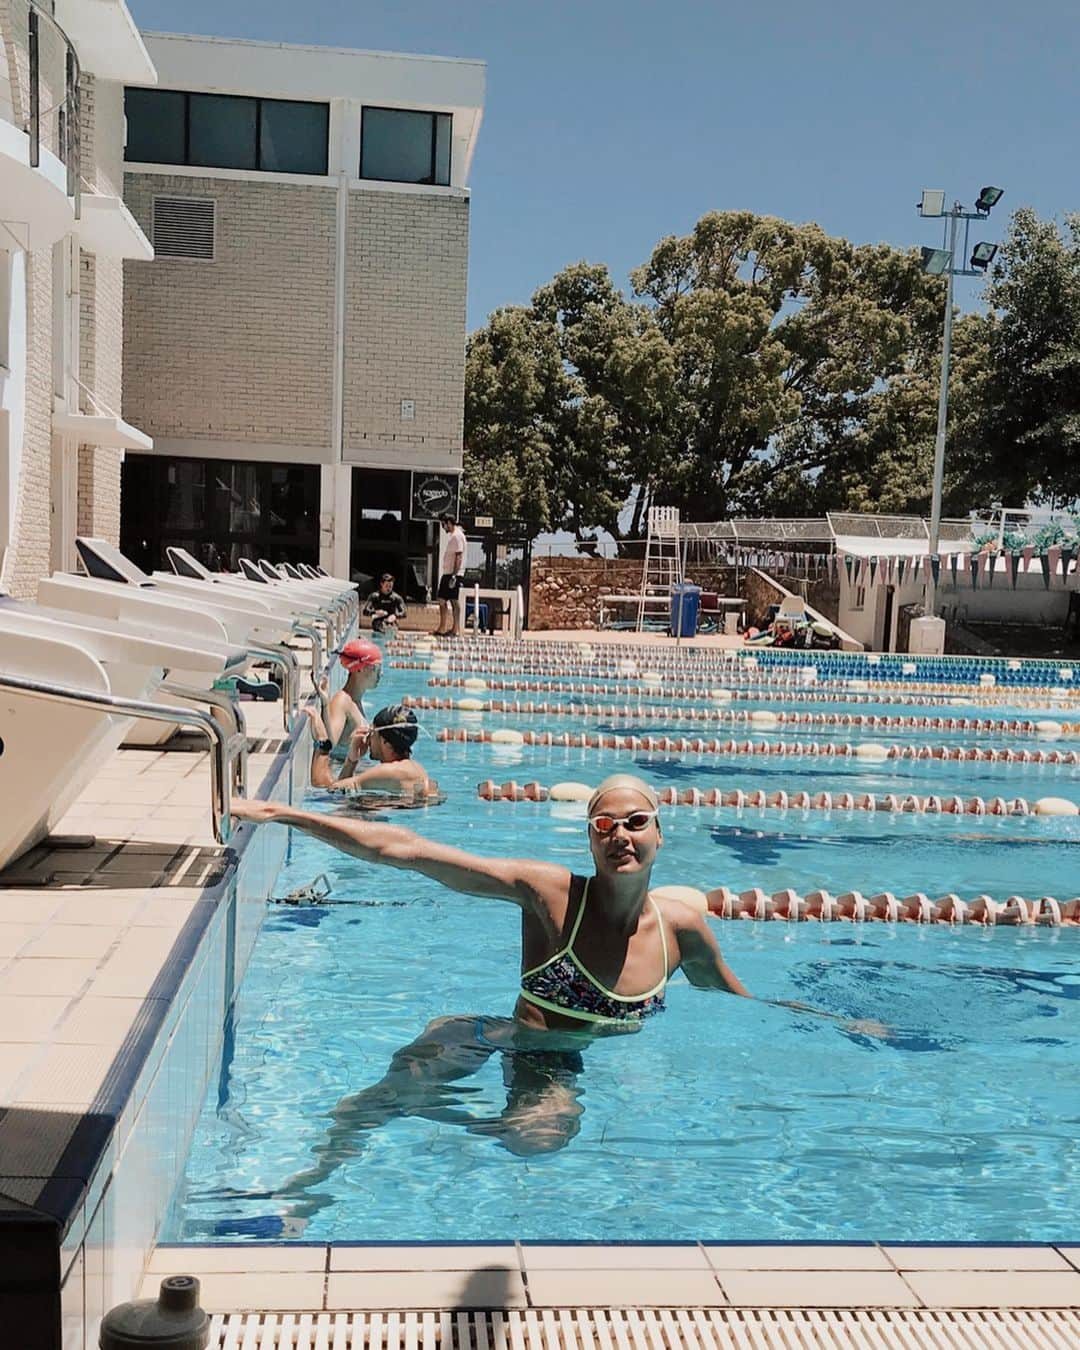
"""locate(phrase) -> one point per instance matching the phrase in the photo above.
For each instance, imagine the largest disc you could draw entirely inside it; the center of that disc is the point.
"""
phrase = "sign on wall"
(434, 495)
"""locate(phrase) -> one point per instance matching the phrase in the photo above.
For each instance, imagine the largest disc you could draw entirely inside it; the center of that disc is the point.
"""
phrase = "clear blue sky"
(611, 123)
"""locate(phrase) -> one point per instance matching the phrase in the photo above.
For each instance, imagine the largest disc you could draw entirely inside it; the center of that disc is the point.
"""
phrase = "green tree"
(1022, 438)
(788, 343)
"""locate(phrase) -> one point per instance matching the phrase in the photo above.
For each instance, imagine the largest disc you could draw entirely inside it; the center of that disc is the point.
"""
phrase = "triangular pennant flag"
(954, 565)
(1054, 555)
(1026, 554)
(1068, 552)
(849, 563)
(935, 567)
(1014, 566)
(901, 564)
(873, 569)
(989, 563)
(973, 563)
(1044, 562)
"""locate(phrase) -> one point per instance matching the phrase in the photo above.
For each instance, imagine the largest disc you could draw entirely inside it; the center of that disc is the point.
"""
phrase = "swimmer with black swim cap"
(389, 741)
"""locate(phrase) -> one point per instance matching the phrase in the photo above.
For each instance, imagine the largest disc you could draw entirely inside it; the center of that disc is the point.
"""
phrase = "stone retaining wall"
(565, 592)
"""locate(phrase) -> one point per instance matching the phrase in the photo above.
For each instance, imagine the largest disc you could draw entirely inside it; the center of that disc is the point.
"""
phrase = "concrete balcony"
(39, 125)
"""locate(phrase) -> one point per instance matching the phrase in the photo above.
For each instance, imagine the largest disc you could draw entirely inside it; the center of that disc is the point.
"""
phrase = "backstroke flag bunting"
(1014, 566)
(935, 567)
(954, 563)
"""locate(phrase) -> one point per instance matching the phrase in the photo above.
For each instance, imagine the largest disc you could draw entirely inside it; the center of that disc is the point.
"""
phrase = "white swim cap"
(630, 783)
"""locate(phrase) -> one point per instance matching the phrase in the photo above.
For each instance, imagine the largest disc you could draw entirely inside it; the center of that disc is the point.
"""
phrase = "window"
(222, 131)
(155, 126)
(218, 510)
(226, 131)
(405, 147)
(292, 136)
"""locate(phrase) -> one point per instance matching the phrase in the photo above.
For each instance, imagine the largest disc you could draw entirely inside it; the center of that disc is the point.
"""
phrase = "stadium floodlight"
(982, 255)
(946, 262)
(936, 261)
(932, 202)
(988, 198)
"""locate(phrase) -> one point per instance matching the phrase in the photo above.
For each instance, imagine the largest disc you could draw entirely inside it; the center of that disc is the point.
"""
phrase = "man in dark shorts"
(450, 573)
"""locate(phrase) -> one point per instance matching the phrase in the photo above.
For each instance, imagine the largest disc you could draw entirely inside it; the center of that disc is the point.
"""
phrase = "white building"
(64, 232)
(297, 347)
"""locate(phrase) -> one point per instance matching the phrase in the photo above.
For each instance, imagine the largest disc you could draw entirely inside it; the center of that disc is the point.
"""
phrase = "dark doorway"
(886, 632)
(384, 538)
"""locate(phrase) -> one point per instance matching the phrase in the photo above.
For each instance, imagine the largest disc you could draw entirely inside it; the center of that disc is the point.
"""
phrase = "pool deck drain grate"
(653, 1329)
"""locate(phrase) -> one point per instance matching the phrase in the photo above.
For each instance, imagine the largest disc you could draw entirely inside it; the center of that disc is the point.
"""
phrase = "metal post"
(35, 89)
(942, 412)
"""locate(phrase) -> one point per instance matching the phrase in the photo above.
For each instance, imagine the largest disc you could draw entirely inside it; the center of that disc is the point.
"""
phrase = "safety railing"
(43, 78)
(222, 746)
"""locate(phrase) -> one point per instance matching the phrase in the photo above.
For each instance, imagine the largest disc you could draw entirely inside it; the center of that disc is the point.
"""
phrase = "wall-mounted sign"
(484, 522)
(434, 495)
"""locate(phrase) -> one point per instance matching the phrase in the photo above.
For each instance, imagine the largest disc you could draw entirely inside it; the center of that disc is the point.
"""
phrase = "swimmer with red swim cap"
(341, 737)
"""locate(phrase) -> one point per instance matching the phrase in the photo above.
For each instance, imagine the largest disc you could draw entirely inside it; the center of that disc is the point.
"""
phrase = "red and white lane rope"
(760, 718)
(795, 749)
(780, 800)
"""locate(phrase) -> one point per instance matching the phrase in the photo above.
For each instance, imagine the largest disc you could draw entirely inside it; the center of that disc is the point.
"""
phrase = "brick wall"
(406, 268)
(239, 349)
(101, 304)
(30, 560)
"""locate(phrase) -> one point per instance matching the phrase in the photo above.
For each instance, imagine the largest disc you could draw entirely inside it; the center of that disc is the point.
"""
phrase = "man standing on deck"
(450, 574)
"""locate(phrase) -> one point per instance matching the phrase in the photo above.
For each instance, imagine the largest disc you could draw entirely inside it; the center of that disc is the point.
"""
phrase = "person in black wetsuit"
(385, 605)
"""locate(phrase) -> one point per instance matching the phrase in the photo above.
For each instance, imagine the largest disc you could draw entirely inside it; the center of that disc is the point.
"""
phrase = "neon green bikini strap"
(578, 917)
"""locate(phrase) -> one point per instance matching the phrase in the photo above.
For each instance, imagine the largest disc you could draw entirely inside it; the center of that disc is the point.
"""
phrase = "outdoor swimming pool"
(722, 1119)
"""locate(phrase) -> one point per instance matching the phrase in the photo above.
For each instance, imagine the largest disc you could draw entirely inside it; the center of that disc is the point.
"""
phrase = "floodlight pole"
(955, 216)
(942, 413)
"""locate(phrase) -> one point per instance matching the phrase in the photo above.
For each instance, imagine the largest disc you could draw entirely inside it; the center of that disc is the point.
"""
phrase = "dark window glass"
(398, 146)
(217, 510)
(221, 131)
(185, 501)
(155, 126)
(293, 136)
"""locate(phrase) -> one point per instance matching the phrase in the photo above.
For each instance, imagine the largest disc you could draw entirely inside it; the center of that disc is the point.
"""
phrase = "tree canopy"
(765, 368)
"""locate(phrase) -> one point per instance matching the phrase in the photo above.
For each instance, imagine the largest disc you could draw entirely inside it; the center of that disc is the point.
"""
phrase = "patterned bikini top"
(563, 985)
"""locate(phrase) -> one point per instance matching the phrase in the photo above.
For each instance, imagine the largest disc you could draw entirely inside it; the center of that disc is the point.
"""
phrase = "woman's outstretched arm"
(514, 879)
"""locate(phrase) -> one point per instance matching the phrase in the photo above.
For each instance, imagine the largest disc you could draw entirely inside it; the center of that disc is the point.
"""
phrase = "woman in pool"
(597, 954)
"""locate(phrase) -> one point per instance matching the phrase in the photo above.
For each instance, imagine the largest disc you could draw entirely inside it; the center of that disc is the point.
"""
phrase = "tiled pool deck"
(95, 943)
(343, 1277)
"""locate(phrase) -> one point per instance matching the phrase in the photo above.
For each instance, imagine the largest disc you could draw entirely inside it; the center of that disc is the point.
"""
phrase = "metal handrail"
(70, 105)
(232, 713)
(315, 638)
(220, 742)
(281, 656)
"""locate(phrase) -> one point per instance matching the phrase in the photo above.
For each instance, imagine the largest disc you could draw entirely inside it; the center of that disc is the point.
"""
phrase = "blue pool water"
(721, 1119)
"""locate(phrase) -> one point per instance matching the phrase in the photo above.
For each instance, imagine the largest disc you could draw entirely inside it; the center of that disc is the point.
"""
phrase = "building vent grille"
(184, 227)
